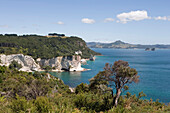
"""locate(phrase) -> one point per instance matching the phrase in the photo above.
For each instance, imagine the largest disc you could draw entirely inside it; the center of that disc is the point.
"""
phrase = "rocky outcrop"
(68, 63)
(84, 61)
(92, 58)
(27, 62)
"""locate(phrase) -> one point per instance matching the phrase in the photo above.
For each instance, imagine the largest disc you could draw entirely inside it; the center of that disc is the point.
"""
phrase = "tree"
(82, 88)
(47, 68)
(15, 65)
(98, 84)
(118, 75)
(37, 74)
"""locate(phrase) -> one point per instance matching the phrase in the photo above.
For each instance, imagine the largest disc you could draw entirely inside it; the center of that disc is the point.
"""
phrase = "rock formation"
(92, 58)
(68, 63)
(27, 62)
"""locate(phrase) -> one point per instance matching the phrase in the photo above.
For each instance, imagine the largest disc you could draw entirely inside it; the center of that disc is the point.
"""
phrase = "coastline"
(30, 65)
(80, 70)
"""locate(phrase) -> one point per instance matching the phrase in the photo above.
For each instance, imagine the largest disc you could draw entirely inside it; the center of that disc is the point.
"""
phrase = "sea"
(153, 68)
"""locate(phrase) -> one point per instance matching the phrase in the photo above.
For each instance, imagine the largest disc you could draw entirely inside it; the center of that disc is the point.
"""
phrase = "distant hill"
(42, 46)
(122, 45)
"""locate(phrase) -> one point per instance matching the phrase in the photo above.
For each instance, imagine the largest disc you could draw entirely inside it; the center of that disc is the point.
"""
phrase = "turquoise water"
(152, 66)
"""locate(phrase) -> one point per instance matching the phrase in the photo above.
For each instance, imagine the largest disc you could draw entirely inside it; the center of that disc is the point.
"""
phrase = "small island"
(150, 49)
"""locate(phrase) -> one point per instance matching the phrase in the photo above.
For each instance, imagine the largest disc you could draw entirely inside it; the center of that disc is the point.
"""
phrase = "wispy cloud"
(133, 16)
(60, 22)
(162, 18)
(88, 21)
(109, 20)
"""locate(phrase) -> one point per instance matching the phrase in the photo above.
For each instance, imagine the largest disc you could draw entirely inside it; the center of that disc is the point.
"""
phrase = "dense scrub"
(22, 92)
(43, 47)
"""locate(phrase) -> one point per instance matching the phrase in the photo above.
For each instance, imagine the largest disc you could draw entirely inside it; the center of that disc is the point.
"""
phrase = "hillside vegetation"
(22, 92)
(43, 47)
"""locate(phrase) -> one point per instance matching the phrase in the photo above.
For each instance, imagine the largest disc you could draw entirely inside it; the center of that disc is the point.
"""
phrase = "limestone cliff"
(27, 62)
(69, 63)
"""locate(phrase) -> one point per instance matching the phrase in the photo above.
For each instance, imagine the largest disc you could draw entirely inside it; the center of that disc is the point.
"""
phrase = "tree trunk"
(112, 93)
(115, 100)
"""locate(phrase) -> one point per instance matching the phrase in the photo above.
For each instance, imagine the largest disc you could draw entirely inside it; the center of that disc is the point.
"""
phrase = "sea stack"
(92, 58)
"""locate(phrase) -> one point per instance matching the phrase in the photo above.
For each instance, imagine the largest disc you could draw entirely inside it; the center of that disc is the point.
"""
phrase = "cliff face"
(69, 63)
(27, 62)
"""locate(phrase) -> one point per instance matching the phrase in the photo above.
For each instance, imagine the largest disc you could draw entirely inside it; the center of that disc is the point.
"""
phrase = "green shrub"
(15, 65)
(43, 105)
(82, 88)
(19, 104)
(94, 102)
(37, 74)
(2, 69)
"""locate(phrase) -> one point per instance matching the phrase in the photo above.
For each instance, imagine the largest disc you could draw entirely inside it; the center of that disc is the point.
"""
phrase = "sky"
(132, 21)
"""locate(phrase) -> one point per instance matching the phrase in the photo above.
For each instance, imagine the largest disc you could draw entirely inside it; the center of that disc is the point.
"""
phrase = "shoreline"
(98, 55)
(60, 71)
(34, 66)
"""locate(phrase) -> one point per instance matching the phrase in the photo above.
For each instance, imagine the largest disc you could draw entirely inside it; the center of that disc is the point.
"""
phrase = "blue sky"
(133, 21)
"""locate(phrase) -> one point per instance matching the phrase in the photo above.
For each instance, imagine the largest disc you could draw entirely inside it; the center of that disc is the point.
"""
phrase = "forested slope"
(43, 47)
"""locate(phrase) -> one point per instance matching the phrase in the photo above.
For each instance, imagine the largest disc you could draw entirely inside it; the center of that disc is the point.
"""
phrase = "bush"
(42, 105)
(37, 74)
(2, 69)
(47, 68)
(82, 88)
(15, 65)
(94, 102)
(19, 104)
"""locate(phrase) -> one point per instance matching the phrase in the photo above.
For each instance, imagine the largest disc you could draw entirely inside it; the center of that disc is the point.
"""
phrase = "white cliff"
(27, 62)
(68, 63)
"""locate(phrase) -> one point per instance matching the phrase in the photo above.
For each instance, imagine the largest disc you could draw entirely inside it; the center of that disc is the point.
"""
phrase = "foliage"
(82, 88)
(42, 105)
(132, 104)
(15, 65)
(47, 68)
(25, 84)
(43, 47)
(19, 104)
(37, 93)
(99, 85)
(117, 75)
(94, 102)
(37, 74)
